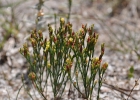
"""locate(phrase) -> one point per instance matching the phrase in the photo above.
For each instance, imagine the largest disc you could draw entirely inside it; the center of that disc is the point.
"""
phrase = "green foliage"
(65, 55)
(131, 72)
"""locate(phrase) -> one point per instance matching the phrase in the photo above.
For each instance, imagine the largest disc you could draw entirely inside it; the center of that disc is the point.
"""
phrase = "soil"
(118, 25)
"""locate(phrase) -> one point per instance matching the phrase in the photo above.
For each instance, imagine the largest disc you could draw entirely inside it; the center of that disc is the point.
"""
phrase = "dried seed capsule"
(32, 76)
(40, 13)
(104, 66)
(33, 41)
(40, 34)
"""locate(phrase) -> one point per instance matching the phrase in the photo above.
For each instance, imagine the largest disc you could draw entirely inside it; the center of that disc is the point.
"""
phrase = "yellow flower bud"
(49, 65)
(62, 20)
(25, 46)
(71, 39)
(95, 59)
(68, 61)
(47, 46)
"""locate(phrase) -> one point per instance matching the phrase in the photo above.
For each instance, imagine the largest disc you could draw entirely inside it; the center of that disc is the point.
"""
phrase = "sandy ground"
(118, 27)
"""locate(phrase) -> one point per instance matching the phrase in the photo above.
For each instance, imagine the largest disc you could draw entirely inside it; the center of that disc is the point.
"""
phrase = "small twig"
(69, 6)
(19, 91)
(138, 54)
(118, 89)
(136, 83)
(8, 94)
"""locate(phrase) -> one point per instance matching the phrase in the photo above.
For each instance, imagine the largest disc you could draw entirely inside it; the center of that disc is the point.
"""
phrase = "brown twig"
(136, 83)
(118, 89)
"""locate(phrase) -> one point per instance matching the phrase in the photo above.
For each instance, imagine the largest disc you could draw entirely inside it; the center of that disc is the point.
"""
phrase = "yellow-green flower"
(68, 61)
(47, 46)
(71, 39)
(49, 65)
(95, 60)
(62, 20)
